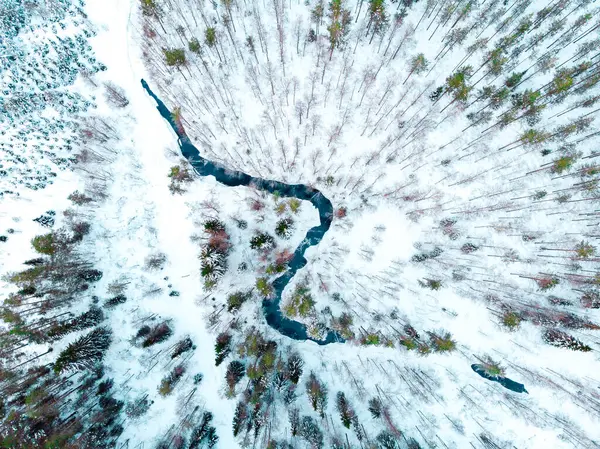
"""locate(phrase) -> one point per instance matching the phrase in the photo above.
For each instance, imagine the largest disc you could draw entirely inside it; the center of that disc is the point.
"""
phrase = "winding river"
(271, 307)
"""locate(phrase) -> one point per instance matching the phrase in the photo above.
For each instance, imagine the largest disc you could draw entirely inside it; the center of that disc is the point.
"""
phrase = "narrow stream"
(271, 307)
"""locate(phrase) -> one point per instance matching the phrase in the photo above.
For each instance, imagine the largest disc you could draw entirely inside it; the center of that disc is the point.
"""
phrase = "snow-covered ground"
(396, 183)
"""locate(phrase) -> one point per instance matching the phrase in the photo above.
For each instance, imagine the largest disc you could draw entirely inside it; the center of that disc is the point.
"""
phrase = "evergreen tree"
(418, 64)
(310, 431)
(387, 440)
(294, 418)
(202, 433)
(174, 56)
(339, 25)
(457, 86)
(346, 412)
(235, 373)
(212, 438)
(84, 352)
(378, 18)
(222, 347)
(86, 320)
(262, 241)
(316, 14)
(284, 228)
(514, 79)
(239, 417)
(375, 407)
(561, 339)
(194, 46)
(182, 346)
(294, 367)
(317, 394)
(210, 36)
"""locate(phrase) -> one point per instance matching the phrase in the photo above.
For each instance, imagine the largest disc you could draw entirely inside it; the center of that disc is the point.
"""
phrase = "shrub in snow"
(194, 46)
(115, 95)
(90, 275)
(198, 378)
(182, 346)
(280, 208)
(556, 301)
(169, 381)
(156, 334)
(468, 248)
(340, 212)
(237, 299)
(562, 164)
(432, 284)
(511, 320)
(138, 407)
(412, 444)
(46, 220)
(257, 205)
(79, 198)
(585, 250)
(241, 224)
(213, 225)
(80, 229)
(342, 324)
(300, 303)
(442, 342)
(213, 254)
(210, 36)
(155, 261)
(264, 287)
(590, 299)
(143, 331)
(437, 251)
(448, 228)
(294, 205)
(44, 244)
(179, 177)
(492, 368)
(117, 287)
(409, 343)
(547, 282)
(424, 348)
(294, 420)
(174, 56)
(371, 339)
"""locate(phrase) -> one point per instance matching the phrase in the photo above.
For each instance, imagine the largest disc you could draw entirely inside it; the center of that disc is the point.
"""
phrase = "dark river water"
(204, 167)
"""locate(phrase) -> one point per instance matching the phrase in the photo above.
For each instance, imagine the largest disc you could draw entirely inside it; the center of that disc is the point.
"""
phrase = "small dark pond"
(504, 381)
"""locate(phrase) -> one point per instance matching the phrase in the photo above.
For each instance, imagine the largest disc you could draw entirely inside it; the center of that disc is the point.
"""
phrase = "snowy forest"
(299, 224)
